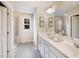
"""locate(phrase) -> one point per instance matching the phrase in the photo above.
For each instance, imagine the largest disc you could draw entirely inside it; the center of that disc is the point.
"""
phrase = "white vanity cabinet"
(47, 50)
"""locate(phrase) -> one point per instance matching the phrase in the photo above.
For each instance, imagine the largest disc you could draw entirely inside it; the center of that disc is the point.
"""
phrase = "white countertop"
(65, 47)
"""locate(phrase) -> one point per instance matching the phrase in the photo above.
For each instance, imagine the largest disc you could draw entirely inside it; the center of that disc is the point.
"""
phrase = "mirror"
(75, 26)
(50, 22)
(60, 25)
(41, 21)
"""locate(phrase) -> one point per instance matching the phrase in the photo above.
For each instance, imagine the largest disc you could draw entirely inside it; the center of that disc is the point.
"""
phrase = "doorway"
(23, 27)
(25, 47)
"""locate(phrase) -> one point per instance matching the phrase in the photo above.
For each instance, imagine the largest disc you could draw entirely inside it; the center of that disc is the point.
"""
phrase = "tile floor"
(27, 50)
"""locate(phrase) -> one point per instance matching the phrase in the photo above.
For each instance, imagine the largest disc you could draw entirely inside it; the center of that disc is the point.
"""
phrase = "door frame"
(5, 51)
(10, 37)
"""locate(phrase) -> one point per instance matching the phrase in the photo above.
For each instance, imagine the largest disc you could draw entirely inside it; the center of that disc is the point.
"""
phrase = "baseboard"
(25, 41)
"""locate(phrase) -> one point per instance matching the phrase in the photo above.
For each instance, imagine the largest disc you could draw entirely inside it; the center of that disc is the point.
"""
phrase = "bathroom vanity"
(64, 43)
(49, 48)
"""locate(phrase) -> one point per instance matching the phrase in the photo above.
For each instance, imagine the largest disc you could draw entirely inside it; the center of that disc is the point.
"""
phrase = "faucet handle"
(76, 43)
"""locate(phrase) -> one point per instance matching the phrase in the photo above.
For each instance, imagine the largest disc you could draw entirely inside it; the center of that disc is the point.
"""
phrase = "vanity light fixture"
(50, 10)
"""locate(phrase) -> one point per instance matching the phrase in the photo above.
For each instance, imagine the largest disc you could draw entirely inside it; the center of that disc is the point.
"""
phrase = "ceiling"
(65, 7)
(29, 6)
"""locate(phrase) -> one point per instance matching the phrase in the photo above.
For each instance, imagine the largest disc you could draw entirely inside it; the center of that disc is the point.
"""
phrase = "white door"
(26, 28)
(3, 31)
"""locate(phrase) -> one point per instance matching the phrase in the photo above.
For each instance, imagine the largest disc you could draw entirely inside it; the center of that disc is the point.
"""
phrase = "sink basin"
(51, 35)
(74, 41)
(56, 38)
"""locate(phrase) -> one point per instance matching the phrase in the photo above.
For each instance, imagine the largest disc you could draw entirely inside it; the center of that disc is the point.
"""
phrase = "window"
(26, 23)
(26, 26)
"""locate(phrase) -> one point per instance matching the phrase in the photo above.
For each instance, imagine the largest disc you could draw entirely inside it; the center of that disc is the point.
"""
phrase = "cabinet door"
(52, 55)
(46, 54)
(47, 50)
(41, 45)
(37, 41)
(42, 48)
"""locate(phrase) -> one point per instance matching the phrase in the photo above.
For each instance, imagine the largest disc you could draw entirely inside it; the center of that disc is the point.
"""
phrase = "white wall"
(42, 12)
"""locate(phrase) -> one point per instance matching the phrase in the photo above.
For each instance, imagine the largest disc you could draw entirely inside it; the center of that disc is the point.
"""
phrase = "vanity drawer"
(52, 55)
(46, 54)
(47, 47)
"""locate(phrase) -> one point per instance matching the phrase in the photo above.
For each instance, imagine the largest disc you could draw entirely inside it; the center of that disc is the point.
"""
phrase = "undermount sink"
(56, 38)
(74, 41)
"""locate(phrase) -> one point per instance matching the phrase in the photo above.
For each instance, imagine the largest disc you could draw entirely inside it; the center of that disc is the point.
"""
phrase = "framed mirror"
(50, 22)
(60, 25)
(41, 21)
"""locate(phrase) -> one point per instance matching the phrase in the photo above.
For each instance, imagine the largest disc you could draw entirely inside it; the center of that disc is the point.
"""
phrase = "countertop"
(65, 47)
